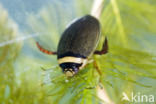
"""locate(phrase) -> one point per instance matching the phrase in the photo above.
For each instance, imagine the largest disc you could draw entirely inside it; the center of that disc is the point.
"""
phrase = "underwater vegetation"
(28, 76)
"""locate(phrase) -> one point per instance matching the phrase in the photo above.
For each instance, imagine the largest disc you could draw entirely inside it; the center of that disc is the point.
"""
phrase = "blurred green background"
(28, 76)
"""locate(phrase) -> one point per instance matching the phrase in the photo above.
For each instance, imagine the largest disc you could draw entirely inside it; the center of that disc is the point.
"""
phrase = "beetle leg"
(97, 68)
(90, 61)
(44, 50)
(98, 71)
(104, 48)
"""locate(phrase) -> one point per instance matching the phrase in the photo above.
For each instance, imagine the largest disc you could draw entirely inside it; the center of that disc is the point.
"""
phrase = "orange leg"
(100, 73)
(97, 68)
(44, 50)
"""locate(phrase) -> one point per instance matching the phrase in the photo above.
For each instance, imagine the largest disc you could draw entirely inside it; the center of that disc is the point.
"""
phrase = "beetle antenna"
(44, 50)
(104, 48)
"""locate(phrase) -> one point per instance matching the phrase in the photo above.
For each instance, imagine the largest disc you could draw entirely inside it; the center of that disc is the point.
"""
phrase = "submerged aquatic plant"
(128, 67)
(131, 56)
(8, 54)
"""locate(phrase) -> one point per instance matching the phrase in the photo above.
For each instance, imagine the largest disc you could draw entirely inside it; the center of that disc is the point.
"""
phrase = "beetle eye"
(75, 69)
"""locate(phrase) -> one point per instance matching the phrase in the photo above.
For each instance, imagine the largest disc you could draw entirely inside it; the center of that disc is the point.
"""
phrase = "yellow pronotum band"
(71, 59)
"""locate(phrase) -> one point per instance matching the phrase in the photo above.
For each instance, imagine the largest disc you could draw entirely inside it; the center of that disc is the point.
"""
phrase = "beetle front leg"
(44, 50)
(104, 48)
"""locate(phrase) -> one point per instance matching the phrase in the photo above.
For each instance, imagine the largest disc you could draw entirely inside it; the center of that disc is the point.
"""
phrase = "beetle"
(77, 44)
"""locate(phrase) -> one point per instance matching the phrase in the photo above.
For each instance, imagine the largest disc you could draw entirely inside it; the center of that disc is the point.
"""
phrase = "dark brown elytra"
(81, 37)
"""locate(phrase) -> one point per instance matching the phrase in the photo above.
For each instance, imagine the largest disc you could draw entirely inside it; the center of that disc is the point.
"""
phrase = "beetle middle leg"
(97, 68)
(44, 50)
(104, 48)
(99, 72)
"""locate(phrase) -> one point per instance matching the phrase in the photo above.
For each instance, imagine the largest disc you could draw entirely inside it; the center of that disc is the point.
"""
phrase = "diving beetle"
(77, 44)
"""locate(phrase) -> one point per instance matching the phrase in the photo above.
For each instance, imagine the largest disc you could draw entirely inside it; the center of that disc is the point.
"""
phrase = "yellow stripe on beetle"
(71, 59)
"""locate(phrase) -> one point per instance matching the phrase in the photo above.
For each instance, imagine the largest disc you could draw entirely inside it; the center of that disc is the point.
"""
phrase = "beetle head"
(70, 69)
(70, 72)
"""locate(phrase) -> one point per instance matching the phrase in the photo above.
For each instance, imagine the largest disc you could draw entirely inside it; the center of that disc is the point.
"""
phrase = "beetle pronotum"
(77, 44)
